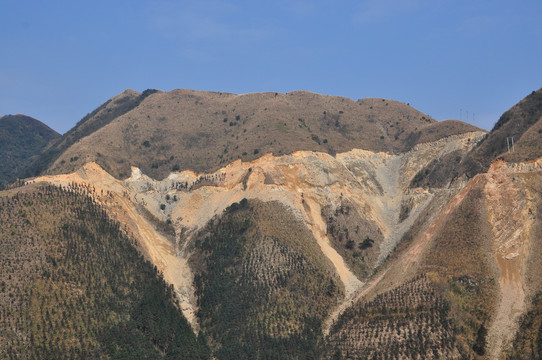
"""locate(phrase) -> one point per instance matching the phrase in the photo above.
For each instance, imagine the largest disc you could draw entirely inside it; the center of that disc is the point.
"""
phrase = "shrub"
(367, 243)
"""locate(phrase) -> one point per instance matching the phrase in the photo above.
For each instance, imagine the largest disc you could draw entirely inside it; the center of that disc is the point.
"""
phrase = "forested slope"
(22, 139)
(264, 288)
(72, 285)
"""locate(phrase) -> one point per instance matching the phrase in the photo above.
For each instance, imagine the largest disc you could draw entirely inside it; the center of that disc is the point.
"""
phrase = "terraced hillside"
(217, 271)
(263, 287)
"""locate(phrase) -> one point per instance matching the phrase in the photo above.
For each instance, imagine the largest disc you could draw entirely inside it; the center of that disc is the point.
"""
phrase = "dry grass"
(523, 123)
(185, 129)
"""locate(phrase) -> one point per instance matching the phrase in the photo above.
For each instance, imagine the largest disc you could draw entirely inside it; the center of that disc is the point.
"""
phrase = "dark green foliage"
(259, 297)
(74, 285)
(409, 322)
(22, 139)
(528, 341)
(479, 346)
(366, 243)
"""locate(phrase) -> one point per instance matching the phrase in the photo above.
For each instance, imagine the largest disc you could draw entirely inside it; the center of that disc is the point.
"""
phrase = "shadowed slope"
(22, 139)
(523, 122)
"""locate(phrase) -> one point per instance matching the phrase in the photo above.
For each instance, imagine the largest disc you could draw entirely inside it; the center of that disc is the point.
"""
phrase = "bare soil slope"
(479, 254)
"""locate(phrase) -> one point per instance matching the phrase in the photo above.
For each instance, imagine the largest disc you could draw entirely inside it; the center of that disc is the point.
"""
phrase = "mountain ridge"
(522, 123)
(22, 140)
(408, 254)
(188, 129)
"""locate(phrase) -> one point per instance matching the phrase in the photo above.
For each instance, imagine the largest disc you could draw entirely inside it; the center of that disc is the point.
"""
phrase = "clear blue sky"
(61, 59)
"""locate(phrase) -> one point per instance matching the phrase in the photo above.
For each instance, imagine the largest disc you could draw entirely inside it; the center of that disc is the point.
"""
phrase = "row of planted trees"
(73, 285)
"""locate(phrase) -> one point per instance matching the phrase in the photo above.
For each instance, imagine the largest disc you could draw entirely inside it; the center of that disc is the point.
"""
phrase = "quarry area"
(376, 184)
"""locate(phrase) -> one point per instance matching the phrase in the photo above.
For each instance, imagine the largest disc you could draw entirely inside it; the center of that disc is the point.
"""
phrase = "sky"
(59, 60)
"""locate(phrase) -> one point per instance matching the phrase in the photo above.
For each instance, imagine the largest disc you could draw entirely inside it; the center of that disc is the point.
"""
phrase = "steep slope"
(263, 288)
(357, 195)
(22, 139)
(100, 117)
(202, 131)
(72, 284)
(523, 123)
(478, 255)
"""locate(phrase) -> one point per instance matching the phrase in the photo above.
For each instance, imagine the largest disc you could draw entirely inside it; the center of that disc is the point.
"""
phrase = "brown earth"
(376, 183)
(185, 129)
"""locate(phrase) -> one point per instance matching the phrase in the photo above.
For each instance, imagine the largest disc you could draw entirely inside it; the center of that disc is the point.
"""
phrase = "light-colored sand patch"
(510, 217)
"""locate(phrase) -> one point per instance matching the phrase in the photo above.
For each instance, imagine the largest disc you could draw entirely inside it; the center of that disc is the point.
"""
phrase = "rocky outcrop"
(375, 183)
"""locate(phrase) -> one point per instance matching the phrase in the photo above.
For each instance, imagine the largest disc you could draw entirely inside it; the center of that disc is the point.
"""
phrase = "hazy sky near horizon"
(62, 59)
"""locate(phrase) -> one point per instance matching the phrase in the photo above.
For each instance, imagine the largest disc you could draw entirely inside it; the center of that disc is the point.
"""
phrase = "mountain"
(523, 124)
(73, 285)
(22, 139)
(161, 132)
(269, 252)
(376, 243)
(100, 117)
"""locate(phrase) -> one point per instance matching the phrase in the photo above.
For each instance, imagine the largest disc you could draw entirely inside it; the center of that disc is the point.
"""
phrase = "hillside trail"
(509, 214)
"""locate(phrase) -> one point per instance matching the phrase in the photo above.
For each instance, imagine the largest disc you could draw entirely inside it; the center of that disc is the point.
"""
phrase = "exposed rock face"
(374, 183)
(371, 189)
(512, 218)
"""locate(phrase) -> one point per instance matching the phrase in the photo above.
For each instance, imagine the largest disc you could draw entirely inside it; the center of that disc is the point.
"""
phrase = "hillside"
(101, 116)
(246, 234)
(184, 129)
(264, 288)
(22, 139)
(73, 285)
(523, 123)
(367, 247)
